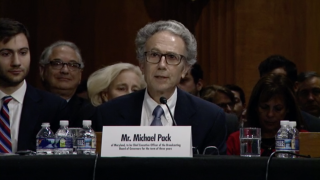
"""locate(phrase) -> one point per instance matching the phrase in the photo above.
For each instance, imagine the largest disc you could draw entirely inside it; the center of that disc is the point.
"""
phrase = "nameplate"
(146, 141)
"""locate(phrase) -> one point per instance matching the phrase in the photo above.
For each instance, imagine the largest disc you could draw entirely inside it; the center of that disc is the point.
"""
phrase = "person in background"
(61, 67)
(193, 84)
(220, 96)
(280, 65)
(114, 81)
(240, 102)
(23, 108)
(166, 50)
(193, 81)
(272, 99)
(308, 92)
(224, 98)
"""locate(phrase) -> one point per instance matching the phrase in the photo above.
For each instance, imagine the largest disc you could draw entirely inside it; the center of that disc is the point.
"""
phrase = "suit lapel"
(132, 115)
(29, 117)
(184, 110)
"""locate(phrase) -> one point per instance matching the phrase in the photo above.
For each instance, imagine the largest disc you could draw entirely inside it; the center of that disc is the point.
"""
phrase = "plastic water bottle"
(294, 135)
(86, 142)
(283, 143)
(45, 140)
(64, 141)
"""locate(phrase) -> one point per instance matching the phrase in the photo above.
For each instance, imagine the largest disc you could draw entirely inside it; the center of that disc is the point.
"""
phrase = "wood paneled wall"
(233, 36)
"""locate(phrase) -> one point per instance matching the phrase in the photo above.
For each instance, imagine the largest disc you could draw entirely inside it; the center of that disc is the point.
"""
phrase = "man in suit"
(280, 65)
(61, 67)
(23, 108)
(166, 50)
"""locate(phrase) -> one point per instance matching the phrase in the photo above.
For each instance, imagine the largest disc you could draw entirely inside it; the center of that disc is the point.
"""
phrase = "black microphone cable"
(163, 100)
(285, 152)
(95, 166)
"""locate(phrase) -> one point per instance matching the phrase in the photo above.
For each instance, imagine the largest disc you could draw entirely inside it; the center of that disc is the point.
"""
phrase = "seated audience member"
(114, 81)
(23, 108)
(272, 99)
(61, 67)
(240, 102)
(225, 99)
(308, 93)
(280, 65)
(220, 96)
(166, 50)
(193, 81)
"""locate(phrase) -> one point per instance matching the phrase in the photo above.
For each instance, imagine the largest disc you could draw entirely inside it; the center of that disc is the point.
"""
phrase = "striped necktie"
(5, 134)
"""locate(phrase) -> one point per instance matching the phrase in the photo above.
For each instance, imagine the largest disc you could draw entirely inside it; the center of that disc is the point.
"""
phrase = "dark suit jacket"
(312, 122)
(232, 123)
(38, 106)
(79, 109)
(207, 120)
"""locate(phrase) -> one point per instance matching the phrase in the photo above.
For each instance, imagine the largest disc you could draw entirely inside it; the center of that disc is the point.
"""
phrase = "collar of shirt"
(18, 95)
(151, 105)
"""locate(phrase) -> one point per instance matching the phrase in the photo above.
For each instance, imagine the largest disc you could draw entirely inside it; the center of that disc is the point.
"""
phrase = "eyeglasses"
(72, 66)
(171, 58)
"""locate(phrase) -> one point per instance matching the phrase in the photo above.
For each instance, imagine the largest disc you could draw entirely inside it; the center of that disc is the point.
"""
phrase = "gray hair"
(307, 75)
(44, 58)
(172, 26)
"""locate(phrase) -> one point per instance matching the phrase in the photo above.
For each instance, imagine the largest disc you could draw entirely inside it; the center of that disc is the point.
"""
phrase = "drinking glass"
(250, 142)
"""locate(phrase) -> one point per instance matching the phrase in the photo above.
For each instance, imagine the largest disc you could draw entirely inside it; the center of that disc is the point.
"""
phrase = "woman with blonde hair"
(114, 81)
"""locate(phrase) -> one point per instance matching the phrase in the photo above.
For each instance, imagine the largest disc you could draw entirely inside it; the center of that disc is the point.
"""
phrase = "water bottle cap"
(64, 123)
(284, 122)
(292, 124)
(86, 122)
(45, 124)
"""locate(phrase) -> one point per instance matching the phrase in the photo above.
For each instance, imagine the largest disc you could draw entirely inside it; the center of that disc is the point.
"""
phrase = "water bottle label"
(86, 143)
(64, 142)
(45, 143)
(283, 144)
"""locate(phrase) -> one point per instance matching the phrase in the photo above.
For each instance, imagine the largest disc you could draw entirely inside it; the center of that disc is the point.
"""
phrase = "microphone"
(163, 100)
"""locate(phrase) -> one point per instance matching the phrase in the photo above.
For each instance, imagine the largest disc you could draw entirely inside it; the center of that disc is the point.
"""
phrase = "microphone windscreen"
(163, 100)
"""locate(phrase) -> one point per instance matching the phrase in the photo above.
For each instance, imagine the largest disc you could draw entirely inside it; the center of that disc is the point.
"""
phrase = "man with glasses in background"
(61, 67)
(166, 50)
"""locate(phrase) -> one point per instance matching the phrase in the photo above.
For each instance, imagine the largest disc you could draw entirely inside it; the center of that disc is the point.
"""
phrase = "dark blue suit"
(38, 106)
(312, 122)
(79, 109)
(207, 120)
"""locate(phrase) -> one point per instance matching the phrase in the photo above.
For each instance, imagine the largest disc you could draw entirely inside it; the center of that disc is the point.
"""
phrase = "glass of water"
(250, 142)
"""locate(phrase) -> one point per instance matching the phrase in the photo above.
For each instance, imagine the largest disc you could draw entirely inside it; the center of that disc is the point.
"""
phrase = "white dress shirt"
(149, 105)
(15, 109)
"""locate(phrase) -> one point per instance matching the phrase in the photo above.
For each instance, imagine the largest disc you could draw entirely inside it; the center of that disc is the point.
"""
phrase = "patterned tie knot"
(6, 99)
(157, 112)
